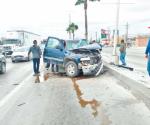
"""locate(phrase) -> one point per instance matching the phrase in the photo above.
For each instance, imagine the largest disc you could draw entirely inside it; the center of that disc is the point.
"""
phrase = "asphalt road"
(61, 100)
(15, 74)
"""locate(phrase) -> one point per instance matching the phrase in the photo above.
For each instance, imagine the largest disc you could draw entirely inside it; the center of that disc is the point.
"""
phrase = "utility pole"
(116, 37)
(116, 34)
(126, 34)
(96, 36)
(86, 20)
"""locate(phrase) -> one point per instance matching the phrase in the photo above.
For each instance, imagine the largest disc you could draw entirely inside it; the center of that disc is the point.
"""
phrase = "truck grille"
(95, 60)
(7, 48)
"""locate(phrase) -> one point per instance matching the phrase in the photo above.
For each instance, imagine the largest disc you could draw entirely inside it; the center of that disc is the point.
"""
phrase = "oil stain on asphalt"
(93, 103)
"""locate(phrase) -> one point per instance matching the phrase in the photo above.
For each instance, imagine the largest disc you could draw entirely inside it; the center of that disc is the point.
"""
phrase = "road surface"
(102, 100)
(15, 74)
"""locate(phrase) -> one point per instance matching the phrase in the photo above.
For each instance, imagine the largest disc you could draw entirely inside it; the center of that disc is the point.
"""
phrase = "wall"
(141, 41)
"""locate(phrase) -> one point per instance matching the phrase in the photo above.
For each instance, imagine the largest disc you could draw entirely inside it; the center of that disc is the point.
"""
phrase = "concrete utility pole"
(126, 34)
(86, 20)
(116, 37)
(96, 36)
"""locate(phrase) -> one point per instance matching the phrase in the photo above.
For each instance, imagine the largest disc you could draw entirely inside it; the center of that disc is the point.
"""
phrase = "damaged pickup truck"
(73, 57)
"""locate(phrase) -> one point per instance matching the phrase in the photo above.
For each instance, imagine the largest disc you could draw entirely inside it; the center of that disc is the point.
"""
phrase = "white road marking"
(13, 92)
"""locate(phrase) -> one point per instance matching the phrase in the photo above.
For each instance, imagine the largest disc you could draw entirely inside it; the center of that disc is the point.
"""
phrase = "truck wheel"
(71, 69)
(3, 68)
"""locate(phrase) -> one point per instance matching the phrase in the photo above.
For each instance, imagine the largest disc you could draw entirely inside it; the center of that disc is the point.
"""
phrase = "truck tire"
(71, 69)
(3, 68)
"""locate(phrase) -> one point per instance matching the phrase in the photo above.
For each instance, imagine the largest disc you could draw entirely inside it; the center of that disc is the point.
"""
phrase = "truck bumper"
(92, 69)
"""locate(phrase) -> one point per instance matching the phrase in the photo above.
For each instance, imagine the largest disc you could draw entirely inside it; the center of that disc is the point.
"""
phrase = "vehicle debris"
(21, 104)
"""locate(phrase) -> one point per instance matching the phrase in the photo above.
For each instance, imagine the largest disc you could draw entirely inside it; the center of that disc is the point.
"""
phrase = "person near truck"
(122, 52)
(147, 55)
(36, 55)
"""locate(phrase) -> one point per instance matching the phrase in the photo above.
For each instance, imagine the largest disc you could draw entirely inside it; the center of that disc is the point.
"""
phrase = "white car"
(20, 54)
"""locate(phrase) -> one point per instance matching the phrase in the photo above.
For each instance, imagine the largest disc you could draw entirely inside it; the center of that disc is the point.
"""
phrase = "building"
(141, 40)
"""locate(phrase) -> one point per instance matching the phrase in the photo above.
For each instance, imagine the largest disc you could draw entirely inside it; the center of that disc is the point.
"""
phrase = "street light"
(116, 58)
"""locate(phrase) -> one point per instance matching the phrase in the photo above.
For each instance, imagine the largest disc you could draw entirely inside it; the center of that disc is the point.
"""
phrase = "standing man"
(122, 52)
(147, 55)
(36, 55)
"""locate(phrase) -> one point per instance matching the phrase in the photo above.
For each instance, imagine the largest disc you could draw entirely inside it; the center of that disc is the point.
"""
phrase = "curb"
(124, 77)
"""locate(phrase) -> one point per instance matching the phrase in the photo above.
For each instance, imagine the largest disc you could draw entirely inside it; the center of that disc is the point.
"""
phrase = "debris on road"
(15, 84)
(123, 66)
(21, 104)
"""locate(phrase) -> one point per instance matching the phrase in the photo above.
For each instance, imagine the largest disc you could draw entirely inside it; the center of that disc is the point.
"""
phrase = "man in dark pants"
(122, 50)
(36, 55)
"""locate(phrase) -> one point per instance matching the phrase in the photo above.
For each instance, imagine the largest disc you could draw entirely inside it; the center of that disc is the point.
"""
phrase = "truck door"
(54, 51)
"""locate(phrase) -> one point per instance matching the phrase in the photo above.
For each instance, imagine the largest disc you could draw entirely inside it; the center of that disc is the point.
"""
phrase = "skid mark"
(93, 103)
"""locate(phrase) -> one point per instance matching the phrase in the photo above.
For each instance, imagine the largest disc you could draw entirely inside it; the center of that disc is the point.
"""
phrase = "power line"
(115, 3)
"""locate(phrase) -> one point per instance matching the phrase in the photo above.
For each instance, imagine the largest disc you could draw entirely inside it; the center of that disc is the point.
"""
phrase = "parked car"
(74, 56)
(20, 54)
(2, 63)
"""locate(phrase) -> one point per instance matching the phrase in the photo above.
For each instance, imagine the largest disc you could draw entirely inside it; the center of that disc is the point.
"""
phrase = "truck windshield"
(74, 44)
(11, 41)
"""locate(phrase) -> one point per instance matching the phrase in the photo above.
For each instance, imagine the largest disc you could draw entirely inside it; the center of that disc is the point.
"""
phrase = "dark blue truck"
(73, 57)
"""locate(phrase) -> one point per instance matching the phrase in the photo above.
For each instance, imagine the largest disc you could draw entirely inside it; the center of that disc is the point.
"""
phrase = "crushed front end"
(90, 60)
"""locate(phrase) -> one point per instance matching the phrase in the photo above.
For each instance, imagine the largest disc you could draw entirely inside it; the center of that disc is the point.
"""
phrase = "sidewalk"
(136, 75)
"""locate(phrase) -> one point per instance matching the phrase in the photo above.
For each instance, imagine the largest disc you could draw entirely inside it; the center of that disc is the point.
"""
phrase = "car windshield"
(11, 41)
(21, 49)
(74, 44)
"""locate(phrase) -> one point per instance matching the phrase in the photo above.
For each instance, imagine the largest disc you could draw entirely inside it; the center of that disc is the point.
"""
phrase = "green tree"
(72, 28)
(85, 14)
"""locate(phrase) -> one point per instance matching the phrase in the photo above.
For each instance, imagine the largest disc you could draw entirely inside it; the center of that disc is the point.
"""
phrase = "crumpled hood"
(88, 49)
(93, 46)
(85, 51)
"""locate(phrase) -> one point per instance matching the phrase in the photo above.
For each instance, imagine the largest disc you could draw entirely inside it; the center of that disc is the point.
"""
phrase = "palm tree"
(85, 13)
(72, 28)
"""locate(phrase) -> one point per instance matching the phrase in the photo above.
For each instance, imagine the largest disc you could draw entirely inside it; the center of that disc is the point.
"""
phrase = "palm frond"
(80, 2)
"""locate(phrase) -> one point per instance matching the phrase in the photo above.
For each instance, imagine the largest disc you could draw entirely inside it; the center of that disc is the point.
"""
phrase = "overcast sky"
(51, 17)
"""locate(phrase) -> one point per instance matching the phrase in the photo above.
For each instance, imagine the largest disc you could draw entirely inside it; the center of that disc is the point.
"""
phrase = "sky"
(52, 17)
